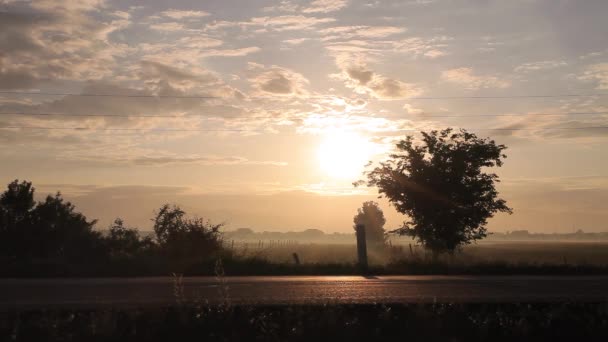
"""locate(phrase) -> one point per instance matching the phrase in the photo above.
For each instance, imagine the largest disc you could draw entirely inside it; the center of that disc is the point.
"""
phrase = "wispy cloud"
(275, 23)
(473, 81)
(184, 14)
(539, 66)
(325, 6)
(597, 73)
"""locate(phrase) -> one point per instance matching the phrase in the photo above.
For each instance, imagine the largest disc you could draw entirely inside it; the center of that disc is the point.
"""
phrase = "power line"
(323, 96)
(128, 129)
(278, 117)
(109, 95)
(505, 96)
(248, 130)
(513, 114)
(143, 115)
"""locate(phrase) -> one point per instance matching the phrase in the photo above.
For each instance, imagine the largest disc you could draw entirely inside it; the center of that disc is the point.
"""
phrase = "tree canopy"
(371, 216)
(181, 237)
(440, 183)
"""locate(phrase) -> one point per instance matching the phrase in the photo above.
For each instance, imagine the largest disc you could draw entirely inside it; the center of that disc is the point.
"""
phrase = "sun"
(343, 155)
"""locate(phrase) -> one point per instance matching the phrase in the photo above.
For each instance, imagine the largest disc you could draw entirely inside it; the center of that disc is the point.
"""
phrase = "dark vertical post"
(361, 247)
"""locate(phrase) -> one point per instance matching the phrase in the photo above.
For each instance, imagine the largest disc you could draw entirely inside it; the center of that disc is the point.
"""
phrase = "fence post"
(361, 247)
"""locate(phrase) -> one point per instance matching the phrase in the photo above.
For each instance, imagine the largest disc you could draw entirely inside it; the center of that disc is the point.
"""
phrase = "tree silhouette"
(15, 205)
(124, 242)
(50, 229)
(58, 231)
(441, 186)
(372, 217)
(183, 238)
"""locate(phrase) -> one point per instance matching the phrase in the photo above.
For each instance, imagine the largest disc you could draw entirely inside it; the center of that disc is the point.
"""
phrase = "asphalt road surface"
(119, 292)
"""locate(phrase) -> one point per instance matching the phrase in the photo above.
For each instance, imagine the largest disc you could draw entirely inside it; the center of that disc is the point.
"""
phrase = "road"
(119, 292)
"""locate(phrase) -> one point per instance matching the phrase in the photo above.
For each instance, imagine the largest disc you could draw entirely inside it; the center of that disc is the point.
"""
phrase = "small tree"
(184, 238)
(372, 217)
(441, 186)
(122, 241)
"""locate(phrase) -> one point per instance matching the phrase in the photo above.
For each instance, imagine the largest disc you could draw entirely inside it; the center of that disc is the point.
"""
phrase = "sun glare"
(343, 155)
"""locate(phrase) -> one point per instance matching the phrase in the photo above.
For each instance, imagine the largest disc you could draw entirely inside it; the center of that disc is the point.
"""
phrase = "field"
(492, 258)
(547, 253)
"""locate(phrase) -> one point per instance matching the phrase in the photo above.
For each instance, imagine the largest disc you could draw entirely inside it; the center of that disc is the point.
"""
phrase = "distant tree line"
(525, 235)
(51, 236)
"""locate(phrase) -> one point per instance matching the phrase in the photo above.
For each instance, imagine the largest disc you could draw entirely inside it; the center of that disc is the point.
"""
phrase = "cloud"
(277, 81)
(295, 41)
(360, 74)
(276, 23)
(168, 27)
(289, 22)
(325, 6)
(597, 73)
(189, 50)
(159, 158)
(550, 127)
(62, 41)
(87, 112)
(434, 53)
(431, 47)
(364, 80)
(594, 54)
(366, 48)
(177, 78)
(317, 124)
(348, 32)
(283, 6)
(538, 66)
(231, 52)
(181, 14)
(466, 77)
(69, 5)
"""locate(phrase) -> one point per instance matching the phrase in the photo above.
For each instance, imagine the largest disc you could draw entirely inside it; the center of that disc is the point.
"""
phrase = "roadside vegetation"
(50, 238)
(339, 322)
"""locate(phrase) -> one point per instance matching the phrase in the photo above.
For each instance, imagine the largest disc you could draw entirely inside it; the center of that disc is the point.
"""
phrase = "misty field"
(551, 253)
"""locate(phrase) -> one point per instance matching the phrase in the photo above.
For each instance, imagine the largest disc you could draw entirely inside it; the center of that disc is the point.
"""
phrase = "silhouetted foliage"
(185, 238)
(372, 217)
(51, 229)
(61, 232)
(123, 242)
(15, 204)
(17, 200)
(440, 185)
(53, 237)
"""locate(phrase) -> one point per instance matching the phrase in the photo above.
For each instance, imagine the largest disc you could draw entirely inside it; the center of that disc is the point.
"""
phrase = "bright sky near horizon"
(261, 113)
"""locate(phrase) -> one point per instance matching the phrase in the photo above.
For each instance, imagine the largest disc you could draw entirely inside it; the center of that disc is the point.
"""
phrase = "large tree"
(441, 183)
(371, 216)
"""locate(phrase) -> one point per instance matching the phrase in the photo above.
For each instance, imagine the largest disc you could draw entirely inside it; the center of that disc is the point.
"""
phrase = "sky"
(262, 113)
